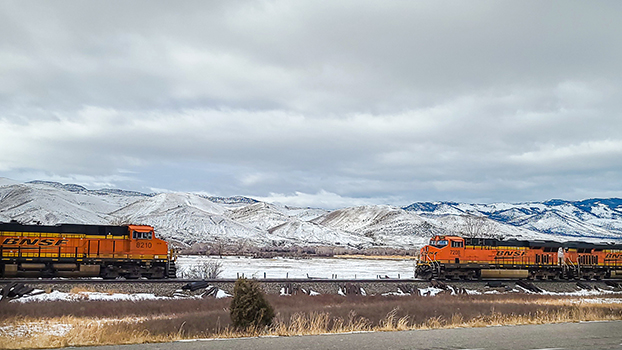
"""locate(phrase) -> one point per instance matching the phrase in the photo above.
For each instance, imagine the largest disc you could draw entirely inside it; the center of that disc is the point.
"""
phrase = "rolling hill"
(188, 218)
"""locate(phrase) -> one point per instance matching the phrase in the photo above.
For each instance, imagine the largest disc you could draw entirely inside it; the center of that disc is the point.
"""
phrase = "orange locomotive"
(453, 257)
(70, 250)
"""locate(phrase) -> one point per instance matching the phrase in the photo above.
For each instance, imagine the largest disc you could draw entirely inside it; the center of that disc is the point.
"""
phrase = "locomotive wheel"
(47, 272)
(156, 272)
(469, 276)
(109, 273)
(133, 272)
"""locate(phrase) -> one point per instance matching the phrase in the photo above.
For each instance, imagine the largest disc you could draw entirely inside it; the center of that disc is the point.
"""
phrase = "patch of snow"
(398, 293)
(222, 294)
(599, 300)
(581, 292)
(23, 330)
(430, 291)
(80, 296)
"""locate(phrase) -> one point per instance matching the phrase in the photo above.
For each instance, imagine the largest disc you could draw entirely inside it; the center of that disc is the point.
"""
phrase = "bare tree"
(476, 226)
(219, 246)
(210, 269)
(240, 246)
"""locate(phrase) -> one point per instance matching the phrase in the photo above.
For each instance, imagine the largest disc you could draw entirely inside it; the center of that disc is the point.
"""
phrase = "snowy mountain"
(188, 218)
(260, 215)
(591, 219)
(37, 203)
(385, 225)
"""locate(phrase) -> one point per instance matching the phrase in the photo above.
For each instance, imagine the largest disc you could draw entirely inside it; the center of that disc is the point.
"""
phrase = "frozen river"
(234, 266)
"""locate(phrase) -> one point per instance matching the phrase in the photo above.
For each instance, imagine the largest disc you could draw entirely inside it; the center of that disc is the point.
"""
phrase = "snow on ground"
(40, 296)
(82, 296)
(23, 330)
(325, 268)
(221, 293)
(430, 291)
(582, 292)
(320, 268)
(599, 301)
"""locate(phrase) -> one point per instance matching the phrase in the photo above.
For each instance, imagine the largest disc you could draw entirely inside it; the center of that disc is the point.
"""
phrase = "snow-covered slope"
(189, 218)
(260, 215)
(309, 233)
(383, 224)
(592, 219)
(164, 202)
(38, 203)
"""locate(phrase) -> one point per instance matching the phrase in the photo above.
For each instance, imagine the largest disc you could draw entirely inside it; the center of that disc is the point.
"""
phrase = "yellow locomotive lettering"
(28, 241)
(34, 241)
(510, 253)
(47, 241)
(126, 251)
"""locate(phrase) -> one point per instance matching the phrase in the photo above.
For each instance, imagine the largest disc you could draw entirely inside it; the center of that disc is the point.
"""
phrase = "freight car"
(453, 257)
(68, 250)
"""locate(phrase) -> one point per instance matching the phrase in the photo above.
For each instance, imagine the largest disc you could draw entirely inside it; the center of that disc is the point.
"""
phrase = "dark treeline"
(269, 251)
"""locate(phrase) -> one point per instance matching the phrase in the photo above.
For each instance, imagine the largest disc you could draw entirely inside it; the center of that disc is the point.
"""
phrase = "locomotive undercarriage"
(468, 272)
(107, 269)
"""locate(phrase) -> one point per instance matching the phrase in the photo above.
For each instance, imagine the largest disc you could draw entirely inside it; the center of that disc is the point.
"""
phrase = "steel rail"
(274, 280)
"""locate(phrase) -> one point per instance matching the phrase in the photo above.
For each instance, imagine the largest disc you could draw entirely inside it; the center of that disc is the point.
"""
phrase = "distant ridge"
(81, 189)
(188, 218)
(232, 200)
(597, 218)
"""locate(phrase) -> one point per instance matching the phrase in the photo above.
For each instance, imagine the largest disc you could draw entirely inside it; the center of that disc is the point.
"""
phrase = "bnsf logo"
(34, 241)
(510, 253)
(613, 256)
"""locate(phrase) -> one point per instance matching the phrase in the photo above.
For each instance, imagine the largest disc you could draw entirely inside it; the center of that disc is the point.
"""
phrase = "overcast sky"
(316, 103)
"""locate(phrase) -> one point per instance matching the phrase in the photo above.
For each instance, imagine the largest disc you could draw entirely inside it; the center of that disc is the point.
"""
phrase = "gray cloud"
(318, 103)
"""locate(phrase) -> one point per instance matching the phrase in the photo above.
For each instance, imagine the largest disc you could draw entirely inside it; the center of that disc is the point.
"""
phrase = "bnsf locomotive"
(69, 250)
(452, 257)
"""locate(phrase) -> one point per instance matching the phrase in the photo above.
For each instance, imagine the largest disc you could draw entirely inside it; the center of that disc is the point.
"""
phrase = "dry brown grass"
(79, 290)
(82, 332)
(103, 322)
(76, 290)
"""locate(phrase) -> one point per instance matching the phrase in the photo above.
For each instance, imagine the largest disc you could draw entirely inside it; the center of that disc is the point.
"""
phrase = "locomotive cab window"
(439, 243)
(142, 235)
(456, 244)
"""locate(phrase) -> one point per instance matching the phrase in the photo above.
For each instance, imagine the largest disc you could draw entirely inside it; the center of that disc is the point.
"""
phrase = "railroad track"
(219, 280)
(169, 287)
(276, 280)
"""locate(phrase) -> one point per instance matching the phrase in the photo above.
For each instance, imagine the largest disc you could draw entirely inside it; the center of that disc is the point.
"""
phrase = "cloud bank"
(318, 104)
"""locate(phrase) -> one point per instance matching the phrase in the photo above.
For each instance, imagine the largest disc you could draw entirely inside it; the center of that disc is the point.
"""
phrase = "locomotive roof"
(65, 228)
(540, 243)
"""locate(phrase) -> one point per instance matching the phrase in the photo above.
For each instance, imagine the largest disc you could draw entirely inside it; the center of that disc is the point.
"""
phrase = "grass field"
(78, 323)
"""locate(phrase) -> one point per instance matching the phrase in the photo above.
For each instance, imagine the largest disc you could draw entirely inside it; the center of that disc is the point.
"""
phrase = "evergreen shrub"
(249, 307)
